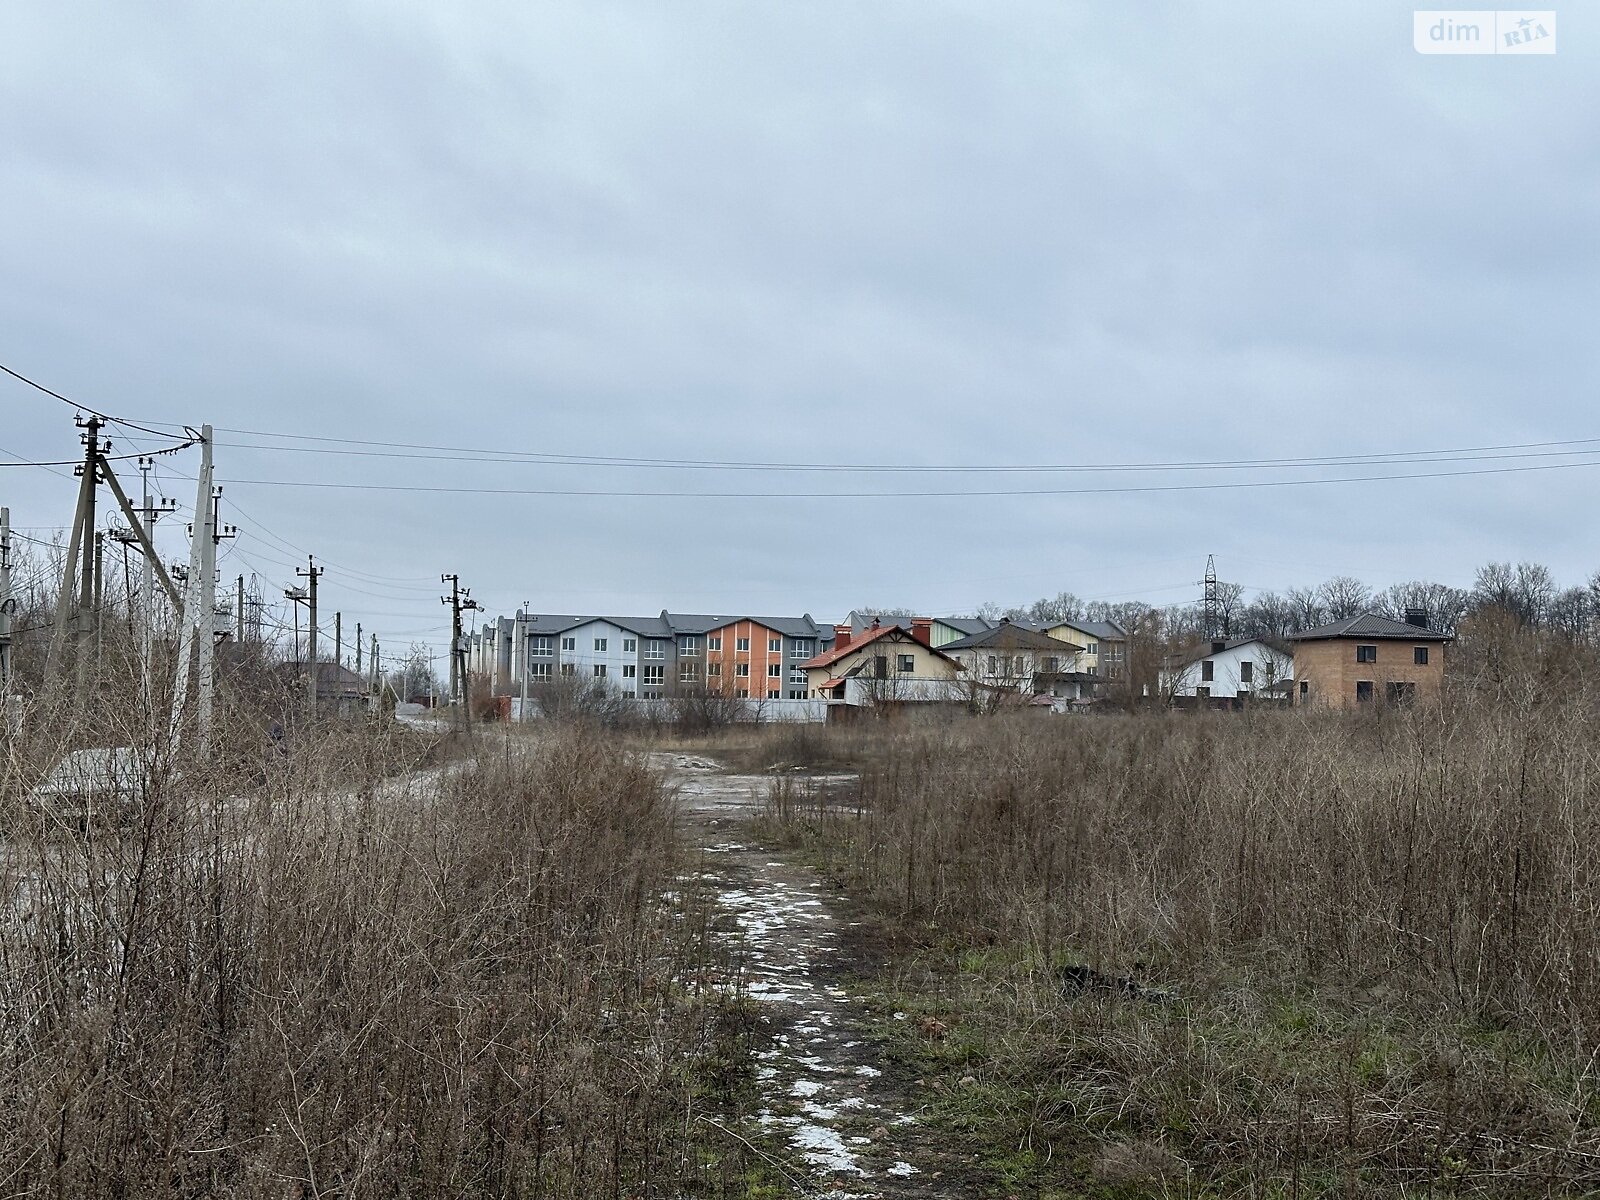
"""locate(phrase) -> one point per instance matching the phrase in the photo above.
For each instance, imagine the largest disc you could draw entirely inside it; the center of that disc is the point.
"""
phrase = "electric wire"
(973, 493)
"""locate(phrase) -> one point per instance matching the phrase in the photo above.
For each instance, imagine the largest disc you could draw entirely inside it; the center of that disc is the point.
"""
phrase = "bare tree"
(1306, 608)
(1344, 596)
(1444, 604)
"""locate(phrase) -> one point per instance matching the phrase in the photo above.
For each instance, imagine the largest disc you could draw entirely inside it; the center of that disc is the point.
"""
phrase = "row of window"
(1369, 654)
(688, 647)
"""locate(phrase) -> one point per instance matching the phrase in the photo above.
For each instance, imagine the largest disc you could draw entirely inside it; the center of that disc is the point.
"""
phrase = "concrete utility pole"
(70, 619)
(99, 596)
(338, 642)
(527, 616)
(208, 636)
(372, 666)
(7, 604)
(358, 647)
(459, 601)
(310, 574)
(199, 605)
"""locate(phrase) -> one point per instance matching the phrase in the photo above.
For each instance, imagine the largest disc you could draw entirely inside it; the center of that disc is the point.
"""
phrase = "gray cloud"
(896, 232)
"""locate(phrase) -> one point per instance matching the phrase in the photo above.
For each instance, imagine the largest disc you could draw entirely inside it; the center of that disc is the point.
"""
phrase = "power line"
(17, 375)
(906, 495)
(407, 450)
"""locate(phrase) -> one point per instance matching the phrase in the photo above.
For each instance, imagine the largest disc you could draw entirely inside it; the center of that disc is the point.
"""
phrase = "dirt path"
(824, 1088)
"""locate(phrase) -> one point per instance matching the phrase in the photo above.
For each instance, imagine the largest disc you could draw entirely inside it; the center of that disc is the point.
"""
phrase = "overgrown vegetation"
(355, 978)
(1265, 953)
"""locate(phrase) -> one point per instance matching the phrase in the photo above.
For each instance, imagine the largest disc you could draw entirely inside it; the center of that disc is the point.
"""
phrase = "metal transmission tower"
(460, 600)
(1213, 626)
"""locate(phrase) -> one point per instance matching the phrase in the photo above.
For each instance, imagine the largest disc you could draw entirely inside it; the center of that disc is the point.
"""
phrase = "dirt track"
(825, 1090)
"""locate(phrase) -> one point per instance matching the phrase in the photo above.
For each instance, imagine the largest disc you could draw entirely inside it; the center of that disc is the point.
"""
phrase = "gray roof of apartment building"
(1371, 625)
(548, 624)
(700, 623)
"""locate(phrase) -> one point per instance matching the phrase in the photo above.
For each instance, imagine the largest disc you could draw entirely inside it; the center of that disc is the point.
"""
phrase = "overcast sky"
(912, 233)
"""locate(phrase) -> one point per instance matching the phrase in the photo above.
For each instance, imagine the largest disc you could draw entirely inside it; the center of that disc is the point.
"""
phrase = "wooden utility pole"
(311, 574)
(338, 642)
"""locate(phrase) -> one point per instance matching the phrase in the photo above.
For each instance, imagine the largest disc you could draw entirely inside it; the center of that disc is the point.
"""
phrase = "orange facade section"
(740, 658)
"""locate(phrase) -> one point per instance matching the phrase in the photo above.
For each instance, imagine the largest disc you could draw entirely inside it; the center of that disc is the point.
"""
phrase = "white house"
(1231, 672)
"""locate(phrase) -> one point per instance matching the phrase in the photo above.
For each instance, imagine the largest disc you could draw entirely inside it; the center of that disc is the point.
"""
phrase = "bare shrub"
(351, 979)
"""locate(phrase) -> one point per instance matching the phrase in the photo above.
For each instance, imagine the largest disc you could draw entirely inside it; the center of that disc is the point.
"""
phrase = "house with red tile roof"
(884, 667)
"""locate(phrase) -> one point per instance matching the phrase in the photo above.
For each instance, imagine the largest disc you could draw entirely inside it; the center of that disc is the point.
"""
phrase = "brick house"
(1368, 658)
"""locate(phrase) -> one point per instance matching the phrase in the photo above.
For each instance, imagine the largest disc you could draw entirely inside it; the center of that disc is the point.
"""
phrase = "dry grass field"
(1269, 953)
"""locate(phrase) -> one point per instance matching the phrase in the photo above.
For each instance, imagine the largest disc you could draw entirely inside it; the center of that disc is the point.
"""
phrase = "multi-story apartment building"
(652, 658)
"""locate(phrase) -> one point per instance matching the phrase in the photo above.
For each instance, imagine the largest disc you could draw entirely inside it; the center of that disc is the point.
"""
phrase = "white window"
(802, 649)
(569, 668)
(907, 664)
(655, 675)
(599, 670)
(774, 694)
(688, 647)
(1093, 648)
(796, 675)
(539, 647)
(687, 673)
(1016, 666)
(743, 693)
(569, 643)
(742, 670)
(992, 667)
(774, 671)
(774, 646)
(742, 645)
(630, 645)
(655, 648)
(539, 671)
(600, 645)
(713, 670)
(797, 695)
(714, 643)
(629, 671)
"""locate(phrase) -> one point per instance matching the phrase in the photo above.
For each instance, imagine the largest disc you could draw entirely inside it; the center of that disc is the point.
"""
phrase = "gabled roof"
(1370, 625)
(829, 657)
(1206, 649)
(1009, 636)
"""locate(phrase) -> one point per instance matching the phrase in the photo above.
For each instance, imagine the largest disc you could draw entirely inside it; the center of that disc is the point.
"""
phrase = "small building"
(885, 668)
(1227, 674)
(1012, 659)
(1368, 658)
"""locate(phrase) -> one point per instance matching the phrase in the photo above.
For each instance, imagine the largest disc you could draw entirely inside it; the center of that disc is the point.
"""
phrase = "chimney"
(1218, 647)
(841, 636)
(922, 630)
(1417, 617)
